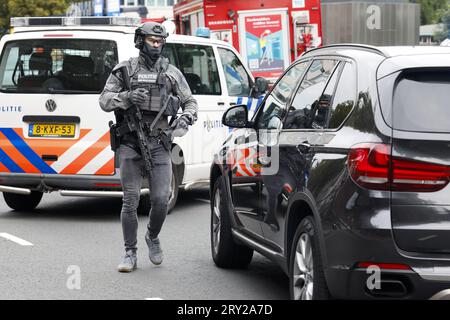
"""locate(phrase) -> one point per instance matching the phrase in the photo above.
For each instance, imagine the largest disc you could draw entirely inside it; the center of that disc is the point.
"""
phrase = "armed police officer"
(157, 89)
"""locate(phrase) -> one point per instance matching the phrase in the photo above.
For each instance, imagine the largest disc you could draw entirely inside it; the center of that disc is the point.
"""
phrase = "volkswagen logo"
(50, 105)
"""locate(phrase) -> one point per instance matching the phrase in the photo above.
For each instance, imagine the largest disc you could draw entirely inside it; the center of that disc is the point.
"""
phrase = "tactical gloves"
(180, 126)
(182, 122)
(138, 96)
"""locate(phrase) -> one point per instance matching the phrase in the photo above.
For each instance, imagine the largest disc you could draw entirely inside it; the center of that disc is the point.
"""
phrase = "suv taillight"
(371, 166)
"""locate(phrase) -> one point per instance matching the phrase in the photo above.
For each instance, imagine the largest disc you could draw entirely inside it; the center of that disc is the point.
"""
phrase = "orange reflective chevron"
(107, 169)
(247, 163)
(75, 166)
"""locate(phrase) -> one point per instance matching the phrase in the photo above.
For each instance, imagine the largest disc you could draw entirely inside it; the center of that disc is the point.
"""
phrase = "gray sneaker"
(129, 262)
(155, 252)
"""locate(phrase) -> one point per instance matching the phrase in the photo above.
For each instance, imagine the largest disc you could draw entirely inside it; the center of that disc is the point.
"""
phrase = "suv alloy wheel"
(306, 276)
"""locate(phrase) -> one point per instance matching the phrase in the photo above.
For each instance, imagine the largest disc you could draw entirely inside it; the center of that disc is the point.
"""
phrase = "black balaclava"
(150, 53)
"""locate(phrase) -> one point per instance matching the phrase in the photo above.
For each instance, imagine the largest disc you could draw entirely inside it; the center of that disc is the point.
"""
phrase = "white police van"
(54, 135)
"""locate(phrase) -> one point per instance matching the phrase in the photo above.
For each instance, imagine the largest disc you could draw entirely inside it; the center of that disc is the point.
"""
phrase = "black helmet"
(148, 29)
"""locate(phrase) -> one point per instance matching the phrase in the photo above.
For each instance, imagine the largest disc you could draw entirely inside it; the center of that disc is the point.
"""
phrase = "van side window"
(169, 53)
(237, 79)
(198, 64)
(344, 97)
(307, 109)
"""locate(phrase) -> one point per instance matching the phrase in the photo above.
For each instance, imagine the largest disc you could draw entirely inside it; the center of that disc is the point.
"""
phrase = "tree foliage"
(31, 8)
(432, 11)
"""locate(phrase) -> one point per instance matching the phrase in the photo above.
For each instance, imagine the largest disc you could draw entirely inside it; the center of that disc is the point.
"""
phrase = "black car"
(341, 176)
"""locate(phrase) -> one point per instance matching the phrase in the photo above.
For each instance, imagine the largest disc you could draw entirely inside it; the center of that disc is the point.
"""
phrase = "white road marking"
(155, 298)
(15, 239)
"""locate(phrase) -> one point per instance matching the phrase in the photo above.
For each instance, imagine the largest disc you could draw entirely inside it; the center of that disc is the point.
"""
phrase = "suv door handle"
(303, 147)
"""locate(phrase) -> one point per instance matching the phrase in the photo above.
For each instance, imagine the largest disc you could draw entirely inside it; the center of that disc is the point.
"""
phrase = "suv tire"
(22, 202)
(225, 252)
(306, 277)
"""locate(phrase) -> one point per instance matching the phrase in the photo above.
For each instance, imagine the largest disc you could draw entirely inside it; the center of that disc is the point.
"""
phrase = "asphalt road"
(77, 245)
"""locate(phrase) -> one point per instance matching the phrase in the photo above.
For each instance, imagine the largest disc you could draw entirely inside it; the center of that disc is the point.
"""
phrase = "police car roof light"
(203, 32)
(74, 21)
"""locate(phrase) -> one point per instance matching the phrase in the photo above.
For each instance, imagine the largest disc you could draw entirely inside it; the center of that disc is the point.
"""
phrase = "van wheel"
(225, 252)
(306, 276)
(22, 202)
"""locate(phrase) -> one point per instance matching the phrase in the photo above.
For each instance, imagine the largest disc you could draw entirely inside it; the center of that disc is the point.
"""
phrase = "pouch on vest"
(172, 106)
(148, 80)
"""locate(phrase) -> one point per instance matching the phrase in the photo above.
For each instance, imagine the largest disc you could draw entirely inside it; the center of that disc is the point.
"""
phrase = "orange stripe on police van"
(87, 156)
(18, 157)
(3, 168)
(51, 146)
(107, 169)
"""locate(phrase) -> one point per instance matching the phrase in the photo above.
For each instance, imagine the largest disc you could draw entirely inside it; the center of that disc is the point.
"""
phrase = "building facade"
(269, 34)
(379, 22)
(428, 33)
(151, 9)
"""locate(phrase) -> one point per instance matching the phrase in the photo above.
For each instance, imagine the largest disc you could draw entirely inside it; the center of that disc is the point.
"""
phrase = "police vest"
(157, 85)
(151, 81)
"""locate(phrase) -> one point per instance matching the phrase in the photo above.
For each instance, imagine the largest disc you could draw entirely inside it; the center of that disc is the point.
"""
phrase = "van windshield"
(421, 101)
(57, 65)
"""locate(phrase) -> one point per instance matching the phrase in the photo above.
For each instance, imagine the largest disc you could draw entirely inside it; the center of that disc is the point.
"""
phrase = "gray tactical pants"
(131, 172)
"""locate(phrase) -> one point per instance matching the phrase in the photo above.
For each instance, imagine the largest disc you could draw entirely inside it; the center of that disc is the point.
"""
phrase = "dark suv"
(341, 176)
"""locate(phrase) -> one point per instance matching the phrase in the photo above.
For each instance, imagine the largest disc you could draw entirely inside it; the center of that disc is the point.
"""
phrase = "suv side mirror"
(236, 116)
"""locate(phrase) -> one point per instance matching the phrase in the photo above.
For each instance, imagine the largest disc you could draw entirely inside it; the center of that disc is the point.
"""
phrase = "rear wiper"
(22, 90)
(8, 89)
(50, 90)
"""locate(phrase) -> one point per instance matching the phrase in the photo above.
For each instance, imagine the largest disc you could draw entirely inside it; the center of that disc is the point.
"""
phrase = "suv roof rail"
(356, 46)
(74, 21)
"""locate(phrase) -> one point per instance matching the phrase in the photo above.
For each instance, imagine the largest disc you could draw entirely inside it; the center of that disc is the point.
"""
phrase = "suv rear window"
(57, 65)
(421, 101)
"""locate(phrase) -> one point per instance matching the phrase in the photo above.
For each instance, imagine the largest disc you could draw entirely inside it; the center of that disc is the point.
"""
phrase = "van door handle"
(304, 147)
(232, 104)
(220, 103)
